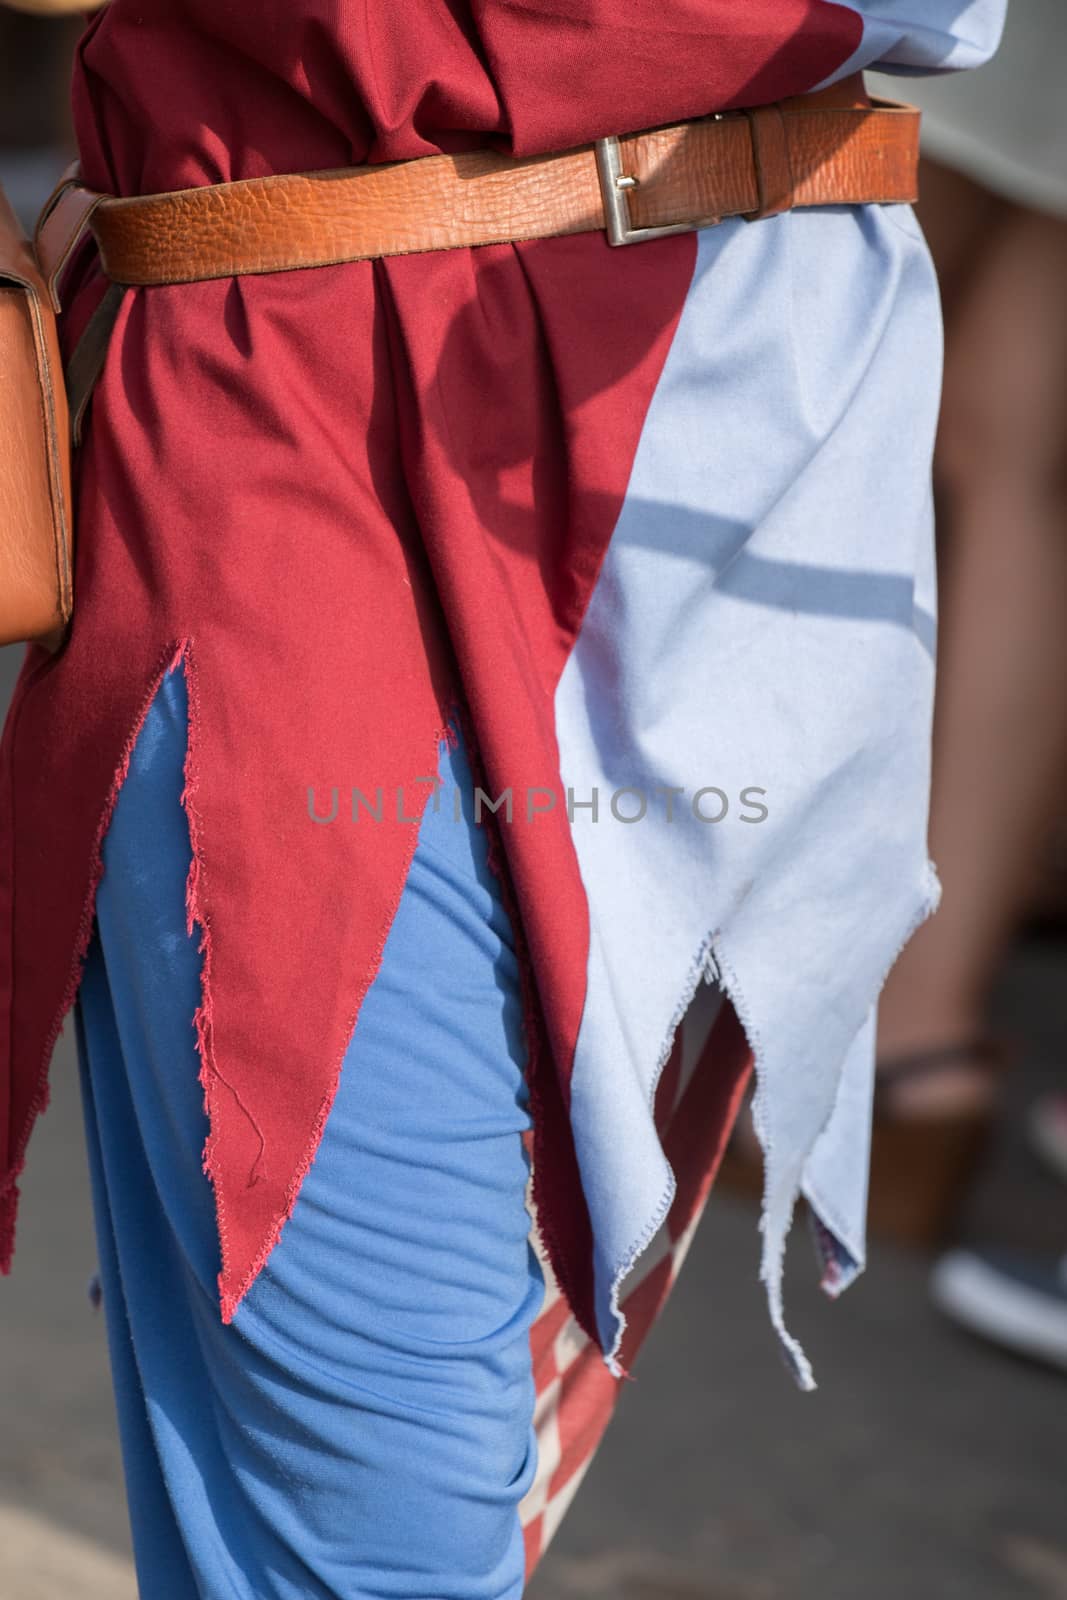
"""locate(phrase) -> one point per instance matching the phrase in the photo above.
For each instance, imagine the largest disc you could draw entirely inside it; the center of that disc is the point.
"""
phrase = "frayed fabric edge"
(703, 966)
(709, 964)
(840, 1266)
(9, 1192)
(181, 653)
(197, 911)
(779, 1204)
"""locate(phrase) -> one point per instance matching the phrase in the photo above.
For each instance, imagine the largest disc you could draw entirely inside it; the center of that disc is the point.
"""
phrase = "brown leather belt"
(832, 147)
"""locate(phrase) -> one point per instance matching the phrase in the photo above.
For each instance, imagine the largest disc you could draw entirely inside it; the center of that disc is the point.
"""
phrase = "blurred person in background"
(993, 206)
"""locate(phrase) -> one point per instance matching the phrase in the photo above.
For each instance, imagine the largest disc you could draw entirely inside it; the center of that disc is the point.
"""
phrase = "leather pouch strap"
(61, 226)
(87, 358)
(35, 498)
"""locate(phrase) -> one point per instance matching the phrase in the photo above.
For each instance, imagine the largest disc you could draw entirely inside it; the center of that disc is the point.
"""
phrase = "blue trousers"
(363, 1427)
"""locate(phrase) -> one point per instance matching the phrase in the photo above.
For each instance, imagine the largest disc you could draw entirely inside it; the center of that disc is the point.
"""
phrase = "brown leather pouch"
(35, 499)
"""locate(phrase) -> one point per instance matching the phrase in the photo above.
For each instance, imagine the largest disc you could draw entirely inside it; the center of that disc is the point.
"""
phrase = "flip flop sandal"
(922, 1164)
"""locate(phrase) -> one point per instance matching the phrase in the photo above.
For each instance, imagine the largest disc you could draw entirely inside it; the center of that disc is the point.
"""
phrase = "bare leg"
(1000, 736)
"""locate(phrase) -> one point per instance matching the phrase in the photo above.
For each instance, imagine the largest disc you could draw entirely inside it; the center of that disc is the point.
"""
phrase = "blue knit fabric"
(363, 1428)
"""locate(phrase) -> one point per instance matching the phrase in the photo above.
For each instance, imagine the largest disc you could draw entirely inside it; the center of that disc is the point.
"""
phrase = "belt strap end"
(60, 227)
(775, 181)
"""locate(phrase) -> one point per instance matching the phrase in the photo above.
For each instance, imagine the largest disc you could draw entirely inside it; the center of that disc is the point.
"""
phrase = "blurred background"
(932, 1460)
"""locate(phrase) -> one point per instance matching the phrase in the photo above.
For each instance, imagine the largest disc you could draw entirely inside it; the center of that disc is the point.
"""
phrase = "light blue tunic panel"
(765, 621)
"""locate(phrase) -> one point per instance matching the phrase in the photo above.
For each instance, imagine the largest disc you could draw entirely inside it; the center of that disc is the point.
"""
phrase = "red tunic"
(351, 497)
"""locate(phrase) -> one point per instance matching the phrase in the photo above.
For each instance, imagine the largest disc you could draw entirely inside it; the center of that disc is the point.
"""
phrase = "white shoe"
(1017, 1301)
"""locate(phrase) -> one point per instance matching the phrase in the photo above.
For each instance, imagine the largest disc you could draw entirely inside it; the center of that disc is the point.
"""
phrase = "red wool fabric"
(350, 498)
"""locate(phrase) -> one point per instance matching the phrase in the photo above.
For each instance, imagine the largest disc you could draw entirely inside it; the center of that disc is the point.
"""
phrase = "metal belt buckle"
(614, 184)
